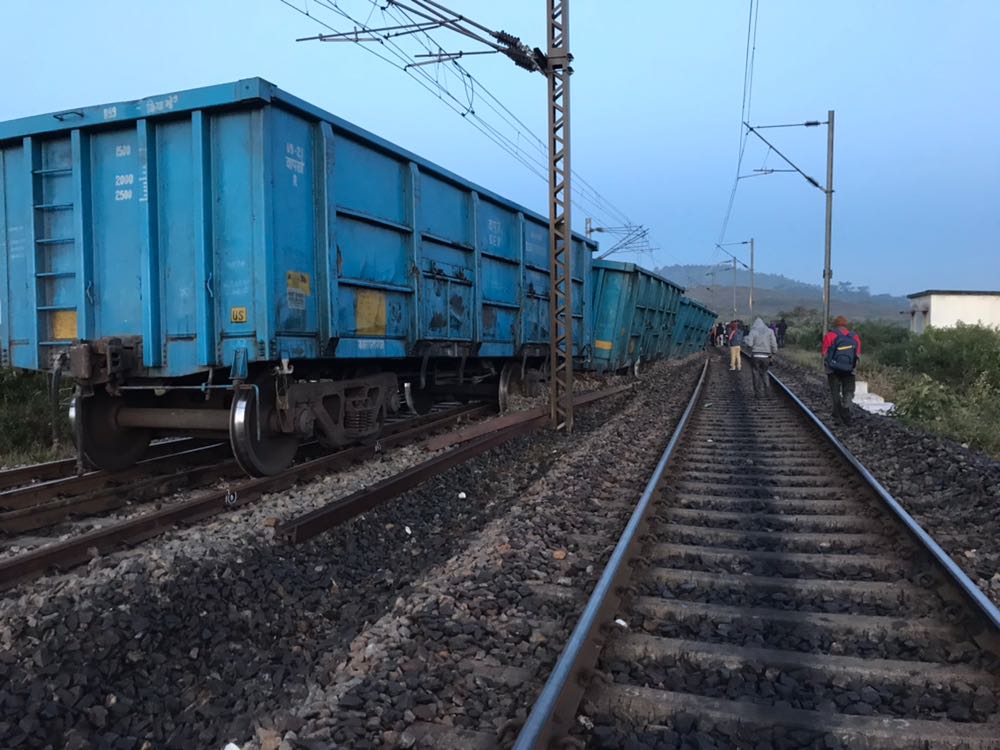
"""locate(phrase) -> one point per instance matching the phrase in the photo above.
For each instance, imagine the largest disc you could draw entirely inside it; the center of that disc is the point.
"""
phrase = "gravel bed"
(952, 491)
(470, 645)
(808, 690)
(197, 637)
(838, 543)
(774, 522)
(857, 603)
(398, 459)
(782, 568)
(811, 639)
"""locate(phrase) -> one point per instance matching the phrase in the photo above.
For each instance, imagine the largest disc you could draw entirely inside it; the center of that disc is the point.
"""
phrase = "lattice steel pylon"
(560, 227)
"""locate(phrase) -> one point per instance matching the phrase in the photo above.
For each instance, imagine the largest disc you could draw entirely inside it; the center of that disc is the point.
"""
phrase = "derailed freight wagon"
(233, 261)
(635, 313)
(691, 331)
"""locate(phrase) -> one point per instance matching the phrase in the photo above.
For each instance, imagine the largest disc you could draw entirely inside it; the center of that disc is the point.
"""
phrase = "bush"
(972, 416)
(874, 335)
(804, 335)
(26, 418)
(877, 334)
(954, 356)
(925, 400)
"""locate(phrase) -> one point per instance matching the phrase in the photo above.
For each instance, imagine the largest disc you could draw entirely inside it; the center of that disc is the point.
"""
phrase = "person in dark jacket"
(841, 353)
(762, 345)
(782, 330)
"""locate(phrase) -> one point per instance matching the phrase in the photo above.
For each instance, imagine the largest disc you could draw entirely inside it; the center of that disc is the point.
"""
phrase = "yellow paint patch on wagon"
(298, 281)
(64, 325)
(605, 345)
(369, 312)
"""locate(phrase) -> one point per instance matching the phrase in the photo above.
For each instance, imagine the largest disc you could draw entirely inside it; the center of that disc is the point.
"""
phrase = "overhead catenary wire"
(420, 76)
(582, 187)
(811, 180)
(586, 197)
(745, 107)
(520, 142)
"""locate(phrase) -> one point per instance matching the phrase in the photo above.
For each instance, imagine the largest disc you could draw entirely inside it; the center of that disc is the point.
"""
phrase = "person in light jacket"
(762, 345)
(735, 341)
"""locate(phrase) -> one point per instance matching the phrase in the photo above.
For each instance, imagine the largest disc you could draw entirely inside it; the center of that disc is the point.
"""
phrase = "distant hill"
(774, 294)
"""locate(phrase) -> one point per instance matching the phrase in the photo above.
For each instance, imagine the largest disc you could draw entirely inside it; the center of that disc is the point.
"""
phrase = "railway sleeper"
(657, 711)
(791, 540)
(784, 564)
(817, 594)
(905, 687)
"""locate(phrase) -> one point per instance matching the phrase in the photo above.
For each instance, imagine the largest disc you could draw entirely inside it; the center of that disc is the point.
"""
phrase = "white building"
(943, 309)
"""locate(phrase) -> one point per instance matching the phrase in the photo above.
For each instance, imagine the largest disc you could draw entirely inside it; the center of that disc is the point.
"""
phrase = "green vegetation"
(944, 380)
(26, 419)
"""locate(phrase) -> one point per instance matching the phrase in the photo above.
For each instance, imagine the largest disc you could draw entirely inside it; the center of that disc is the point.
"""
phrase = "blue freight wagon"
(634, 311)
(234, 261)
(693, 323)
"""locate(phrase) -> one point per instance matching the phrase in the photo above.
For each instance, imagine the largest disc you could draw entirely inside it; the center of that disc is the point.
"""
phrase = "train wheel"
(508, 384)
(103, 443)
(418, 400)
(259, 449)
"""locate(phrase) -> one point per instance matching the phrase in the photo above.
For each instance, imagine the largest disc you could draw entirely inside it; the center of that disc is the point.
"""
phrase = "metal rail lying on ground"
(473, 431)
(555, 710)
(66, 467)
(80, 549)
(78, 484)
(332, 514)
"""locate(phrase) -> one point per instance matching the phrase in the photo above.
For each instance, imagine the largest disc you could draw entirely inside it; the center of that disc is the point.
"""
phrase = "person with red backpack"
(841, 352)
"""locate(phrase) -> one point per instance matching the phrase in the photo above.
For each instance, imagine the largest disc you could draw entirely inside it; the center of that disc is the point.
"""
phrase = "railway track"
(470, 441)
(80, 548)
(64, 468)
(59, 494)
(42, 504)
(767, 592)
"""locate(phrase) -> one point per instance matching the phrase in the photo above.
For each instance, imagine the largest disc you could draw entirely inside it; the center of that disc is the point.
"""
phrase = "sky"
(657, 94)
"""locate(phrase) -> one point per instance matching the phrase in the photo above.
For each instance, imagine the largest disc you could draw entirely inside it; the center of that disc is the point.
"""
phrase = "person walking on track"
(782, 330)
(841, 353)
(762, 345)
(735, 341)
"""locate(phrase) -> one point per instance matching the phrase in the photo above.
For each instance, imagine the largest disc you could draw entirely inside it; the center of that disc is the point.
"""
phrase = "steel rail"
(103, 499)
(315, 522)
(80, 484)
(555, 709)
(474, 431)
(972, 593)
(66, 467)
(37, 506)
(80, 549)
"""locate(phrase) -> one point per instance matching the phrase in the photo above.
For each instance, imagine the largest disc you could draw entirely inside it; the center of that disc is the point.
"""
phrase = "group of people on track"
(841, 351)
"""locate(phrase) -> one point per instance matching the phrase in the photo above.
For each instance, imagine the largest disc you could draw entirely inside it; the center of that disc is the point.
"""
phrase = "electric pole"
(558, 71)
(735, 261)
(734, 289)
(826, 189)
(827, 271)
